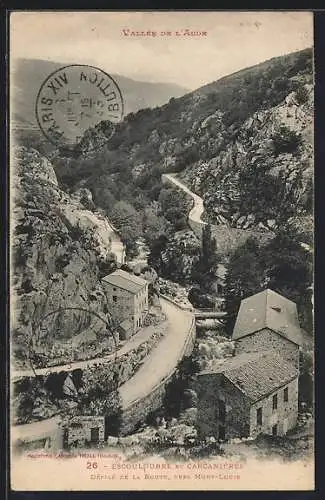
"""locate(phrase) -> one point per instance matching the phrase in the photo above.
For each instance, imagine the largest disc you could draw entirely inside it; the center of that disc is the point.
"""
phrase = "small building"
(267, 320)
(246, 395)
(127, 299)
(83, 431)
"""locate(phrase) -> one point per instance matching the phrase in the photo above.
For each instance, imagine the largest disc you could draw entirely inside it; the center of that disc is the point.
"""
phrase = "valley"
(217, 179)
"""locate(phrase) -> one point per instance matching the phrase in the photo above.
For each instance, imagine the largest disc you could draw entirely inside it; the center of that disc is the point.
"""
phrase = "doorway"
(94, 435)
(275, 430)
(222, 432)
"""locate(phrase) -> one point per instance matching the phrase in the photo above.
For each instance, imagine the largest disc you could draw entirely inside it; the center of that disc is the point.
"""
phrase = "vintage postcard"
(161, 193)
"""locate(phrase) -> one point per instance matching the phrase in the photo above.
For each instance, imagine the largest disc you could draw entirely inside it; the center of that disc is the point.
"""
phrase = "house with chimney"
(127, 300)
(256, 390)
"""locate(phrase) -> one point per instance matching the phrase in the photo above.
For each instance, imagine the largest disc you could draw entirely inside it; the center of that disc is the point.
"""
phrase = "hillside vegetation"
(244, 143)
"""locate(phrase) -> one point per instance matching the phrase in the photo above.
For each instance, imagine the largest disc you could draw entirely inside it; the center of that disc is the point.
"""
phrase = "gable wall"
(266, 339)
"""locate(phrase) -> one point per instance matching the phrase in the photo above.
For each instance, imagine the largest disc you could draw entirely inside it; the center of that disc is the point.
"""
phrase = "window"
(275, 402)
(114, 298)
(259, 416)
(76, 425)
(286, 395)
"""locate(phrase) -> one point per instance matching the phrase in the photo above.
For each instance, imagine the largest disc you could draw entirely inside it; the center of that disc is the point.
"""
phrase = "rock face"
(243, 143)
(262, 142)
(58, 247)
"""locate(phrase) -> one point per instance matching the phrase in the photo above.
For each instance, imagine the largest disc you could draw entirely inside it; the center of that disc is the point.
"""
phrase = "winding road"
(163, 358)
(156, 367)
(198, 208)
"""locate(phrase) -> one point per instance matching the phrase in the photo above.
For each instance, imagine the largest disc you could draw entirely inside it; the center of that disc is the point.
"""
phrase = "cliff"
(58, 249)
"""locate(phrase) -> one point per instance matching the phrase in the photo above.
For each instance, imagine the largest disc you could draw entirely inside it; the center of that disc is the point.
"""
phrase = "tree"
(245, 277)
(204, 270)
(179, 256)
(154, 226)
(128, 221)
(288, 268)
(155, 259)
(174, 207)
(99, 395)
(286, 141)
(301, 94)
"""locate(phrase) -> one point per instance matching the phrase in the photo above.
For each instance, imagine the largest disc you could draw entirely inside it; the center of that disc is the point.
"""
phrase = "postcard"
(161, 250)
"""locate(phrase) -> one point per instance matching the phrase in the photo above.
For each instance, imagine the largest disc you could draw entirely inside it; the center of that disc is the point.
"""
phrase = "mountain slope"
(29, 74)
(59, 250)
(244, 143)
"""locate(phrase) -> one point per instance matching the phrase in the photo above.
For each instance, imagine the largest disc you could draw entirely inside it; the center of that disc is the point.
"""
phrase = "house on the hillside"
(246, 395)
(267, 320)
(127, 299)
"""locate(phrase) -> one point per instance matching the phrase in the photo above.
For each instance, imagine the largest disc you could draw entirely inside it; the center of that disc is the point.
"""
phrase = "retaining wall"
(137, 412)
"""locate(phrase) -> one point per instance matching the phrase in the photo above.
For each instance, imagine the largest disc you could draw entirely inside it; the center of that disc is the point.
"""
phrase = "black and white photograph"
(161, 250)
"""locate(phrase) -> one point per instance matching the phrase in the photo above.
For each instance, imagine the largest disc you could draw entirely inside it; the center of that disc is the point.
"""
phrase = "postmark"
(75, 98)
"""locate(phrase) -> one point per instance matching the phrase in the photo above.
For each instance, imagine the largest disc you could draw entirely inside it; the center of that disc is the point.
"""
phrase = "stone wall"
(138, 411)
(286, 411)
(266, 339)
(79, 430)
(228, 238)
(212, 387)
(241, 414)
(120, 303)
(126, 366)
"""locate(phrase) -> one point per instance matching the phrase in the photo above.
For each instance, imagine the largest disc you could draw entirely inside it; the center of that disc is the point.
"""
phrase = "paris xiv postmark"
(75, 98)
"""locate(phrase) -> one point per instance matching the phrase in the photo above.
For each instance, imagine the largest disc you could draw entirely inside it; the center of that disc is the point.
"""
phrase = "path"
(35, 430)
(117, 247)
(162, 359)
(159, 363)
(131, 344)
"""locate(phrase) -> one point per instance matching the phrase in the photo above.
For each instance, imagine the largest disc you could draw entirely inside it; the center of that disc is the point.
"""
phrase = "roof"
(256, 374)
(268, 309)
(126, 325)
(125, 280)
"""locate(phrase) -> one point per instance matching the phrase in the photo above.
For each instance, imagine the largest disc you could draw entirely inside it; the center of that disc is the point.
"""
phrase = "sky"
(233, 40)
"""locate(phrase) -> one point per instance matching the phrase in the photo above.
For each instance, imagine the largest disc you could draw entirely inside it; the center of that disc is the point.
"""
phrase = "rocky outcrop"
(263, 141)
(57, 247)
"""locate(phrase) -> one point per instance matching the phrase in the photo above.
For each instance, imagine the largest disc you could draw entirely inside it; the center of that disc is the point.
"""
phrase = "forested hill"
(243, 142)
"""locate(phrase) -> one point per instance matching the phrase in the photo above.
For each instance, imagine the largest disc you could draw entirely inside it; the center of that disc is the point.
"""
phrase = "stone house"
(127, 299)
(246, 395)
(267, 320)
(256, 390)
(83, 431)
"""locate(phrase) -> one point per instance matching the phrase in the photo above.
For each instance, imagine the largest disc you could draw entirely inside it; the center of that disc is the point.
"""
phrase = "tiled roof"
(268, 309)
(125, 280)
(256, 374)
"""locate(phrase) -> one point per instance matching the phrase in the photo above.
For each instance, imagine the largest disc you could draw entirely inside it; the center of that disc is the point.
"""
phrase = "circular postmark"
(75, 98)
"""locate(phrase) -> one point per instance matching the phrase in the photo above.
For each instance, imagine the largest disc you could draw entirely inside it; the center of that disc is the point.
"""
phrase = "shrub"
(301, 95)
(286, 141)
